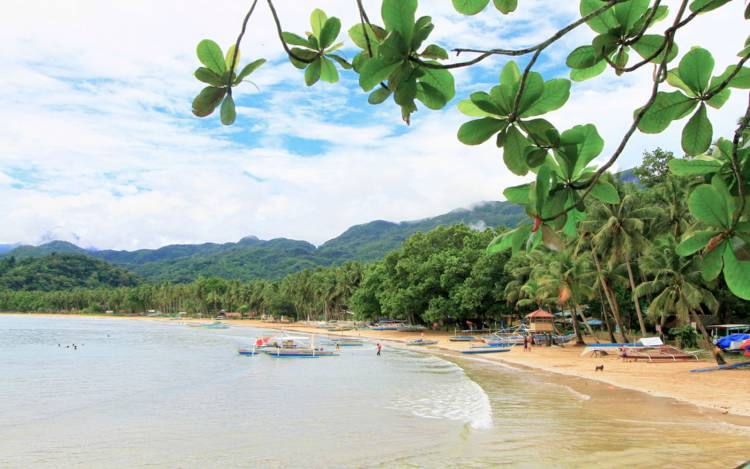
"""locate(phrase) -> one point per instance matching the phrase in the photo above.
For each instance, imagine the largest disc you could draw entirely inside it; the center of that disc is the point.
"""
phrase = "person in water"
(378, 347)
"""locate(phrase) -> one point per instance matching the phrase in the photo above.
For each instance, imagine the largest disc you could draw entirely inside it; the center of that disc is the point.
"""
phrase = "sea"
(153, 394)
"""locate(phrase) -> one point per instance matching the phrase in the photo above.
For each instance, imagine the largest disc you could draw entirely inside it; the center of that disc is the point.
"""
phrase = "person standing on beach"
(378, 347)
(525, 343)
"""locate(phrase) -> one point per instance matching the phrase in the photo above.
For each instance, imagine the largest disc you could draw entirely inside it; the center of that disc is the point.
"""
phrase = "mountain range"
(253, 258)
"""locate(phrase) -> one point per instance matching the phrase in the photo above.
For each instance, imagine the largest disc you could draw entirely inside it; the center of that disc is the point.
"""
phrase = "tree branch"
(281, 36)
(518, 52)
(237, 47)
(658, 77)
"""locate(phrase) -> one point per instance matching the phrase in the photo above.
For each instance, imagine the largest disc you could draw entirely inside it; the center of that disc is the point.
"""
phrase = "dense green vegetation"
(62, 272)
(446, 277)
(251, 258)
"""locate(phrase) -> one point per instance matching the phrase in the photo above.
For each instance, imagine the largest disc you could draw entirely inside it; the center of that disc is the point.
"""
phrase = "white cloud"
(98, 145)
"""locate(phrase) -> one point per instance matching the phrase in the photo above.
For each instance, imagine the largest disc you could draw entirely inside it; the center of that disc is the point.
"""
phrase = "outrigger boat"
(292, 348)
(462, 338)
(216, 325)
(411, 328)
(486, 349)
(248, 351)
(421, 342)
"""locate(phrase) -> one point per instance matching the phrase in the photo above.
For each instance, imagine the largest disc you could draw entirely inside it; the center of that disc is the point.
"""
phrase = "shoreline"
(715, 391)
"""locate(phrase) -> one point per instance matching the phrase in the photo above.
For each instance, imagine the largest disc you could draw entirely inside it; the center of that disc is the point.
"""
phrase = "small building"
(228, 315)
(541, 321)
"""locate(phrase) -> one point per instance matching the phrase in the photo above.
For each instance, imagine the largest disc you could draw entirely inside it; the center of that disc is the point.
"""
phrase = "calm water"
(149, 394)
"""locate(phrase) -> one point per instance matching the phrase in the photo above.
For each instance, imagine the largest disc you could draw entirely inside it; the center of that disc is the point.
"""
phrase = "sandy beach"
(721, 391)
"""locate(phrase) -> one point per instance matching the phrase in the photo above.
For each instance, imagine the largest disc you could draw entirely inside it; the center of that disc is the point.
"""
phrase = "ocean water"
(161, 394)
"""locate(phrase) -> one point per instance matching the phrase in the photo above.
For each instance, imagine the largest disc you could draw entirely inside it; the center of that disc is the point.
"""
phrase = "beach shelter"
(541, 321)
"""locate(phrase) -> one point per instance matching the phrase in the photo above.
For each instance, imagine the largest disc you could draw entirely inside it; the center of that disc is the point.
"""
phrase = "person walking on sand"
(379, 348)
(525, 343)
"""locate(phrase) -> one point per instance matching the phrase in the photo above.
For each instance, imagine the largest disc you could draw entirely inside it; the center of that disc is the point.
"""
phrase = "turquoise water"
(161, 394)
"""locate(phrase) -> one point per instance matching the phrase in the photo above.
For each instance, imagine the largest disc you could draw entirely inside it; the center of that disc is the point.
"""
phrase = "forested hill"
(62, 272)
(252, 258)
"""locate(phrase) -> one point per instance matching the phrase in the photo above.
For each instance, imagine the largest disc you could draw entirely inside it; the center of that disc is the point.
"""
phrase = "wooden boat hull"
(249, 352)
(420, 343)
(461, 338)
(298, 353)
(485, 350)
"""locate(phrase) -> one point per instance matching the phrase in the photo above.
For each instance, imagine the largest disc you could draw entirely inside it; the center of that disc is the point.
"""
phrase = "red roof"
(540, 313)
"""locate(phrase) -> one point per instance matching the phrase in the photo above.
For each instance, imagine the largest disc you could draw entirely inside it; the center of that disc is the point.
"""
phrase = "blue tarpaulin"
(725, 342)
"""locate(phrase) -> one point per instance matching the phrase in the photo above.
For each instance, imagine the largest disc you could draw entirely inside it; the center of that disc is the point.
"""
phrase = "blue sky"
(98, 145)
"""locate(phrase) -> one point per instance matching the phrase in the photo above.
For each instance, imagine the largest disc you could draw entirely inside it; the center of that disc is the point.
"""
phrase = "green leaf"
(506, 6)
(582, 57)
(317, 22)
(517, 194)
(736, 274)
(718, 99)
(341, 61)
(582, 74)
(695, 69)
(434, 52)
(207, 100)
(209, 54)
(694, 167)
(555, 95)
(511, 239)
(422, 29)
(589, 144)
(532, 91)
(398, 15)
(469, 7)
(374, 33)
(440, 81)
(628, 13)
(707, 205)
(694, 242)
(661, 12)
(379, 95)
(480, 130)
(601, 23)
(706, 5)
(248, 69)
(740, 80)
(228, 113)
(697, 134)
(513, 151)
(295, 40)
(648, 44)
(330, 32)
(206, 75)
(666, 108)
(228, 58)
(535, 156)
(510, 74)
(375, 71)
(541, 187)
(328, 72)
(312, 73)
(605, 192)
(467, 107)
(711, 263)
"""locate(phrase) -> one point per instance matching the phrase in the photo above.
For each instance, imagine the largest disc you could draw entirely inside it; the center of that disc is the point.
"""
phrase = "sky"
(98, 145)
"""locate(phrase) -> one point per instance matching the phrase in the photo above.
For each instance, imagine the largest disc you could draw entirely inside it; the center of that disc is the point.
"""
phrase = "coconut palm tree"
(567, 279)
(677, 287)
(618, 236)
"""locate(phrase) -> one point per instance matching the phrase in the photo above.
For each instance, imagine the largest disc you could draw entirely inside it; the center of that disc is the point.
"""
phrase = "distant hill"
(62, 272)
(7, 248)
(252, 258)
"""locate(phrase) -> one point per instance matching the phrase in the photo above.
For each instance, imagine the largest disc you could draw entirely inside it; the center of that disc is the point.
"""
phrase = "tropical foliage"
(396, 61)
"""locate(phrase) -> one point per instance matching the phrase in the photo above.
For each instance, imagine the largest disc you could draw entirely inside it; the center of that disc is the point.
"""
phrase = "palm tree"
(671, 196)
(568, 280)
(677, 287)
(618, 236)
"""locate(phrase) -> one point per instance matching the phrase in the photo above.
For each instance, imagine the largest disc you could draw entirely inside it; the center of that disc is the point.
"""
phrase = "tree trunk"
(610, 298)
(576, 328)
(635, 300)
(586, 323)
(605, 316)
(714, 349)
